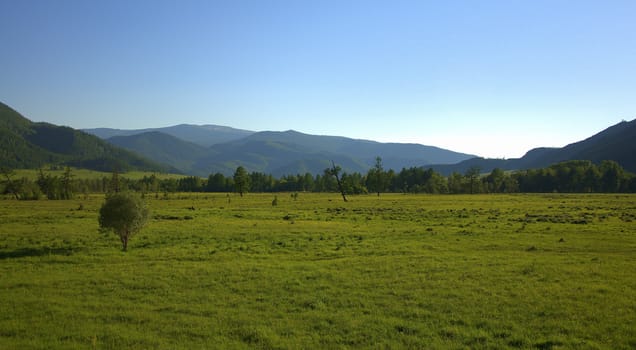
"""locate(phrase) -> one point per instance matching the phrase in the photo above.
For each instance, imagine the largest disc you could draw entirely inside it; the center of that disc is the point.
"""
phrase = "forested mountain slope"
(163, 148)
(282, 153)
(25, 144)
(617, 143)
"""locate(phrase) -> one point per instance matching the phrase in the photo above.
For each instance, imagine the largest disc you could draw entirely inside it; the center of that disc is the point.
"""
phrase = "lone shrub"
(123, 213)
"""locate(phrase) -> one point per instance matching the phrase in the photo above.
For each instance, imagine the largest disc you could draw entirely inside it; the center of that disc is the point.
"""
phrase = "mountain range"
(292, 152)
(25, 144)
(205, 149)
(204, 135)
(276, 153)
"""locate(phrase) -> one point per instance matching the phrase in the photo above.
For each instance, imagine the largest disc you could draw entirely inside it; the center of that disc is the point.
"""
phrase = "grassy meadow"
(86, 174)
(399, 271)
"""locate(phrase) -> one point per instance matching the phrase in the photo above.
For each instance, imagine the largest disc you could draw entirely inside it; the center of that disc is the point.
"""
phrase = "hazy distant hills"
(200, 150)
(25, 144)
(163, 148)
(206, 149)
(292, 152)
(282, 153)
(204, 135)
(616, 143)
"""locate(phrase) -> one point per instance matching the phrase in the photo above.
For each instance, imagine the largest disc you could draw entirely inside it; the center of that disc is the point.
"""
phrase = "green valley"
(400, 271)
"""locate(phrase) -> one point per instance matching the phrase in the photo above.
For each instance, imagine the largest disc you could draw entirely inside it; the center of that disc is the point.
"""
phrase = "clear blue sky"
(493, 78)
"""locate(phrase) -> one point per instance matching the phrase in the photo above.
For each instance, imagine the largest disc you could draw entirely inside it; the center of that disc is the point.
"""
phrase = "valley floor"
(398, 271)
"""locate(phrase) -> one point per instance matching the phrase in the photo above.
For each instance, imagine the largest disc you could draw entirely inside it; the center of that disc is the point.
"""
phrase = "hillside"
(394, 155)
(616, 143)
(282, 153)
(163, 148)
(203, 135)
(290, 151)
(25, 144)
(274, 157)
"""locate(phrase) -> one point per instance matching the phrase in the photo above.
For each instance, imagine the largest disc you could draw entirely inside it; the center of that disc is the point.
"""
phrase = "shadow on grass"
(33, 252)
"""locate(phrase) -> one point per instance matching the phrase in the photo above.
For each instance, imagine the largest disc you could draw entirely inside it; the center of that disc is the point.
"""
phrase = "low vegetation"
(399, 271)
(566, 177)
(123, 213)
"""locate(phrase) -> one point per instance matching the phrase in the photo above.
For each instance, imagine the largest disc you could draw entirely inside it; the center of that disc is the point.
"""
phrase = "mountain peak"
(203, 135)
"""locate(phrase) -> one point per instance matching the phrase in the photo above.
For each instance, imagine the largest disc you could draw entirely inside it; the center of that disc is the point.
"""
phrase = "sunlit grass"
(399, 271)
(32, 174)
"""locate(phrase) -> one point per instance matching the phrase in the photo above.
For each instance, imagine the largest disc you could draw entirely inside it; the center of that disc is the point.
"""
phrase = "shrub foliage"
(125, 214)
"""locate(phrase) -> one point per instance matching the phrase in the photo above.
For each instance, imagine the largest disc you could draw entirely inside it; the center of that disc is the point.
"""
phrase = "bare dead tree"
(10, 184)
(335, 171)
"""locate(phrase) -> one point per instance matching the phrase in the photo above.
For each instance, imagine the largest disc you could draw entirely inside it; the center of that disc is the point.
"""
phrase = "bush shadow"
(34, 252)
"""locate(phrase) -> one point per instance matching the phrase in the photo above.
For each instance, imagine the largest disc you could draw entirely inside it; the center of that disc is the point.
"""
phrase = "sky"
(491, 78)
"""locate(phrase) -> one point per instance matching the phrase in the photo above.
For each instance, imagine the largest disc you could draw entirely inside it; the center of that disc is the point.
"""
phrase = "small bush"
(125, 214)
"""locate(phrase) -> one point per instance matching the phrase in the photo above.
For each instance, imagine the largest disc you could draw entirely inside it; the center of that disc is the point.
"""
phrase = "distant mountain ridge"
(291, 152)
(25, 144)
(213, 148)
(286, 152)
(617, 143)
(204, 135)
(162, 148)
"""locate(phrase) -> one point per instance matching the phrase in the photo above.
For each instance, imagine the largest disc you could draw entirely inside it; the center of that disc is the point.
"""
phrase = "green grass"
(32, 174)
(460, 272)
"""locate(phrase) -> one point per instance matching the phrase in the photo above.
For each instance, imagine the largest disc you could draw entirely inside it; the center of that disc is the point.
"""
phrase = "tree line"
(566, 177)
